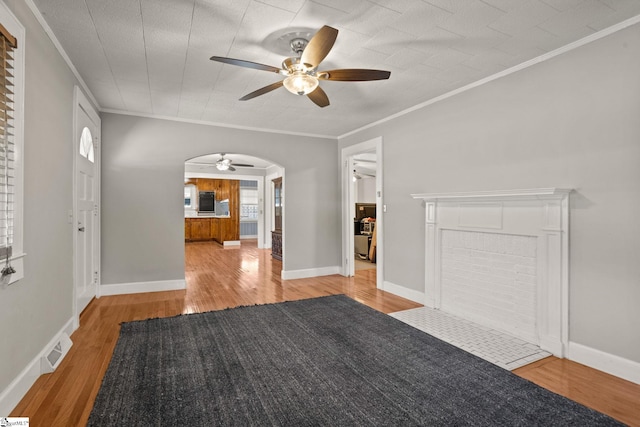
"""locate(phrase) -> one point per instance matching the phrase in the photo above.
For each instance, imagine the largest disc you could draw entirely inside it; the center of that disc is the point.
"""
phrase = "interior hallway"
(219, 278)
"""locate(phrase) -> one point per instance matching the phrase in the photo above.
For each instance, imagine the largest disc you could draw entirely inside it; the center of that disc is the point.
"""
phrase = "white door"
(86, 215)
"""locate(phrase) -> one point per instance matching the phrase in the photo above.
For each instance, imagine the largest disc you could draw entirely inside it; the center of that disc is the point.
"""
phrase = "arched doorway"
(242, 198)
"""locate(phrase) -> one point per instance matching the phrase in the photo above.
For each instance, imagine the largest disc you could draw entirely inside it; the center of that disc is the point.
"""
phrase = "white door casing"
(86, 215)
(348, 207)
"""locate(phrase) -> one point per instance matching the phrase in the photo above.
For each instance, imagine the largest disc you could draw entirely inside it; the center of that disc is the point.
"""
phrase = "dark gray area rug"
(327, 361)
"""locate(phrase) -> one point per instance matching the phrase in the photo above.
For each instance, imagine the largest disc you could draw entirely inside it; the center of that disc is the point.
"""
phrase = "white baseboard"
(605, 362)
(401, 291)
(231, 243)
(310, 272)
(12, 395)
(140, 287)
(551, 344)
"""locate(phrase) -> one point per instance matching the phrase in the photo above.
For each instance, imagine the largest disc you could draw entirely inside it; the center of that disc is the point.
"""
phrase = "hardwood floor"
(219, 278)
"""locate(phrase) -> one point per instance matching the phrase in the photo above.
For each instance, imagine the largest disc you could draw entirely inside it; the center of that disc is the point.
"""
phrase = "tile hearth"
(493, 346)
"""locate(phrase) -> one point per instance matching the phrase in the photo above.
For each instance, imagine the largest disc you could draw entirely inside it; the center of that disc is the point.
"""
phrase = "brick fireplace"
(500, 259)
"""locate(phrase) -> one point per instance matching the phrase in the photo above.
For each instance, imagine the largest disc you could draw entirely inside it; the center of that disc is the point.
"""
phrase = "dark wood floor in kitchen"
(219, 278)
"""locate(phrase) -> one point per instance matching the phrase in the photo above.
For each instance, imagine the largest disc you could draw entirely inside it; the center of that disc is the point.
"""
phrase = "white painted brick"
(524, 269)
(490, 276)
(528, 261)
(497, 263)
(526, 278)
(480, 254)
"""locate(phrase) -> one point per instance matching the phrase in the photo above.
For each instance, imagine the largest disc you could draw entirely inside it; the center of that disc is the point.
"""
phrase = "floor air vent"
(50, 361)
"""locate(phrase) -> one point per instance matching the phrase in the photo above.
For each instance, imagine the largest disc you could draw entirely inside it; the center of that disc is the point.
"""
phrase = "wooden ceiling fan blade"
(319, 97)
(319, 46)
(354, 75)
(246, 64)
(262, 91)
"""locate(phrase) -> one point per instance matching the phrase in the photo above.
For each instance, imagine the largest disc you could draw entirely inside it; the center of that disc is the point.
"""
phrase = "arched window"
(86, 144)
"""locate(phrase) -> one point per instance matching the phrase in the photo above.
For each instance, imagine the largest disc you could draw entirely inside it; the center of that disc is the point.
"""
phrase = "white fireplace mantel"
(495, 195)
(542, 213)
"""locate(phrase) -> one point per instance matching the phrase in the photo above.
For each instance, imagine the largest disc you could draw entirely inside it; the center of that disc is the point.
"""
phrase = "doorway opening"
(228, 200)
(362, 219)
(365, 212)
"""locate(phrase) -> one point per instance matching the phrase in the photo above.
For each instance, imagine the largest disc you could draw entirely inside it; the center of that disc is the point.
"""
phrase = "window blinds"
(7, 149)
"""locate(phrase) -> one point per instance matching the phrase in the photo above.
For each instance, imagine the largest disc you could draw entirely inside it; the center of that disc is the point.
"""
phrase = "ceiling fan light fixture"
(301, 83)
(301, 71)
(222, 166)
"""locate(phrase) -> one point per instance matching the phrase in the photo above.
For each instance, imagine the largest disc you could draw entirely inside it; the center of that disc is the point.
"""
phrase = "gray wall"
(34, 309)
(142, 194)
(572, 121)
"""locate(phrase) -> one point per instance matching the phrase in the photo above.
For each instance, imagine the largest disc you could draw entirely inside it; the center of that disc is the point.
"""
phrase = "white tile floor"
(496, 347)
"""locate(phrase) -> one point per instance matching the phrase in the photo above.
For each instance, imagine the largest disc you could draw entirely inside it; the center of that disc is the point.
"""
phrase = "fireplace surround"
(500, 258)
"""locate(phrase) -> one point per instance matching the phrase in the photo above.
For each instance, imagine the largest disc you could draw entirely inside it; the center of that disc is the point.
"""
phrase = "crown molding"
(216, 124)
(47, 29)
(564, 49)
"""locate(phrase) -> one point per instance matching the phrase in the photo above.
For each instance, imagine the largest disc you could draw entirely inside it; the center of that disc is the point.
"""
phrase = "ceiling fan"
(225, 164)
(302, 77)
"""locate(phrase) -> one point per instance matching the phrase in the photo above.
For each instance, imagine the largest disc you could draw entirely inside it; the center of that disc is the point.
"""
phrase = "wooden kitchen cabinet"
(215, 228)
(187, 229)
(200, 229)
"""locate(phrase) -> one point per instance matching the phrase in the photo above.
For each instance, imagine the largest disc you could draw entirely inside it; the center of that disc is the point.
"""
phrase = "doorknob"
(81, 229)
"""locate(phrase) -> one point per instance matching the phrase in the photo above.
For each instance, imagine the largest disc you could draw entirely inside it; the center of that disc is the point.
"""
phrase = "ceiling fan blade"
(319, 46)
(319, 97)
(247, 64)
(262, 91)
(242, 165)
(354, 75)
(232, 169)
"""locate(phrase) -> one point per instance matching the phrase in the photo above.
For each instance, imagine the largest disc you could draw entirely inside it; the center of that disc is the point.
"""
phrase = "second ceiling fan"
(302, 77)
(224, 164)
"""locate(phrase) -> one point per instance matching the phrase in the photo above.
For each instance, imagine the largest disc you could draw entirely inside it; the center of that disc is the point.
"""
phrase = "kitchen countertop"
(195, 215)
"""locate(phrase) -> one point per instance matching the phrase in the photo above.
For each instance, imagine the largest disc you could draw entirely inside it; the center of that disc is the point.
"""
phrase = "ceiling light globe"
(301, 84)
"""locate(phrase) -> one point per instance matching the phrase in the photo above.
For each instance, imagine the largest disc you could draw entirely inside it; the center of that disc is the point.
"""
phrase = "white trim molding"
(310, 272)
(401, 291)
(544, 57)
(542, 213)
(16, 390)
(47, 29)
(495, 195)
(215, 124)
(348, 206)
(605, 362)
(141, 287)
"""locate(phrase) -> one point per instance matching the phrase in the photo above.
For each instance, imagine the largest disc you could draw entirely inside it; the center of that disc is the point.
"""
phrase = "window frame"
(83, 146)
(253, 215)
(13, 25)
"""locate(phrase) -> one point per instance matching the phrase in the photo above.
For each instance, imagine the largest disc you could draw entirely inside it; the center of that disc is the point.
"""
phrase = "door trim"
(348, 209)
(80, 101)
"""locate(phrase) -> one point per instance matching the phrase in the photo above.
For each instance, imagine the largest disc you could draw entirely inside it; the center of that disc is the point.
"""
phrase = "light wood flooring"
(219, 278)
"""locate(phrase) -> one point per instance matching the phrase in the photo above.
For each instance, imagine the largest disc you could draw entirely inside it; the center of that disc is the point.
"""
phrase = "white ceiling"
(365, 164)
(151, 57)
